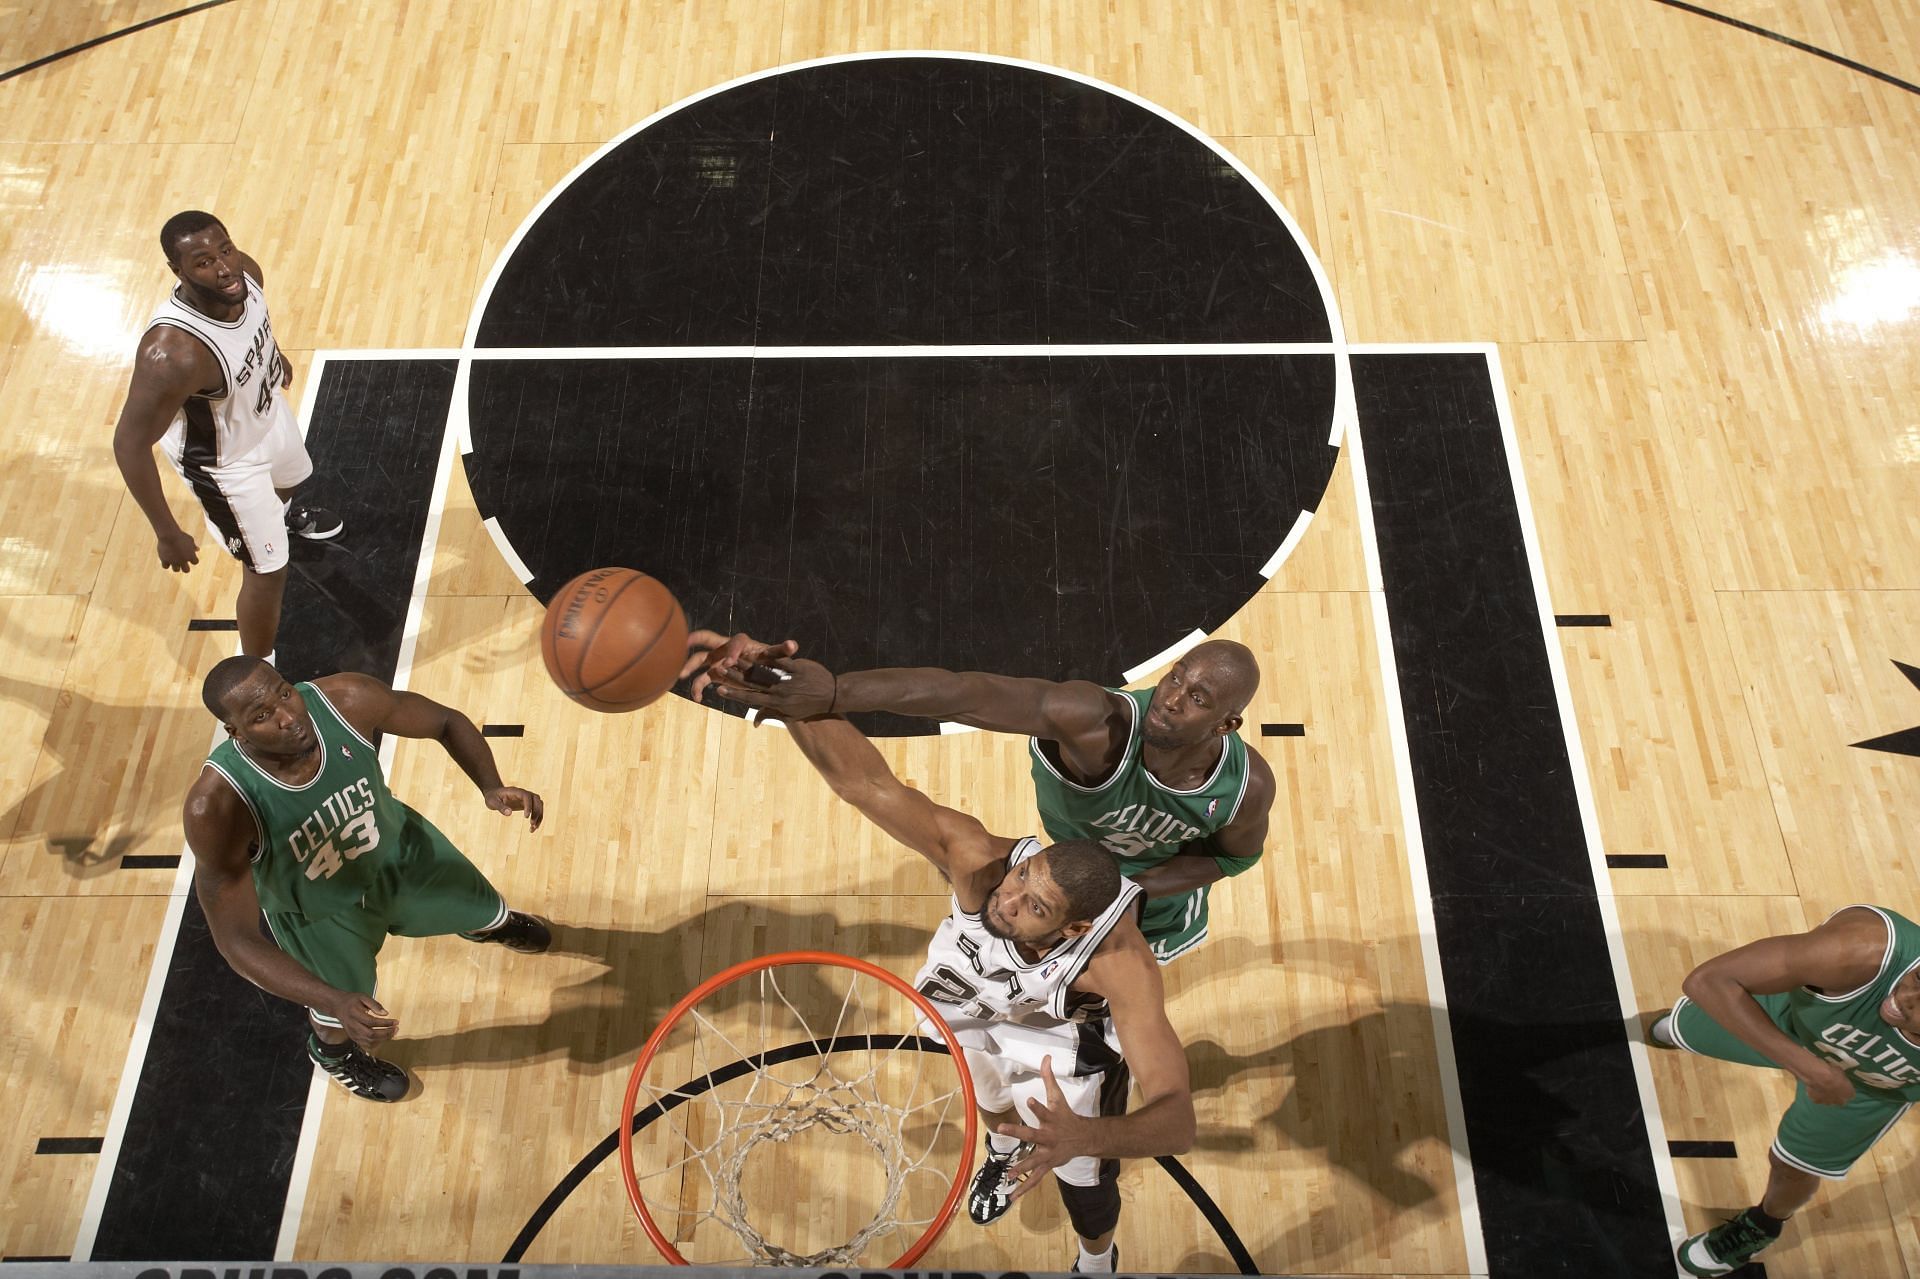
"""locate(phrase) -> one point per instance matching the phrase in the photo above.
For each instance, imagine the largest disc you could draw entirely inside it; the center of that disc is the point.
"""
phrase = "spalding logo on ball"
(614, 639)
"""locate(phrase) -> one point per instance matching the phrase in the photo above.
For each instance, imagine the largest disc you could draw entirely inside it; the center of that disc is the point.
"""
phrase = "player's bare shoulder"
(173, 360)
(1123, 963)
(217, 820)
(977, 859)
(363, 701)
(1857, 935)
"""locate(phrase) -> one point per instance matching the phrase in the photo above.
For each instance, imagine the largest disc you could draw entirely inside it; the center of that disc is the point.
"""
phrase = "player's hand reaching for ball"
(364, 1020)
(724, 661)
(515, 799)
(1058, 1134)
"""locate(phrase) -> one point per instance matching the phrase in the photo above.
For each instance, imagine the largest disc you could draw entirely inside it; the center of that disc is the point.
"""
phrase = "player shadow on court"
(76, 812)
(1340, 1067)
(607, 1016)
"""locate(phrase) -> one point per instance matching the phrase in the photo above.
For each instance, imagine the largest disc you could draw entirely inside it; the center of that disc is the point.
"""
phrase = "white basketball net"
(843, 1077)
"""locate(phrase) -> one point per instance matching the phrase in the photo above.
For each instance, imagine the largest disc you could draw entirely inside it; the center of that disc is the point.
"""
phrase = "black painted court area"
(1561, 1160)
(1061, 514)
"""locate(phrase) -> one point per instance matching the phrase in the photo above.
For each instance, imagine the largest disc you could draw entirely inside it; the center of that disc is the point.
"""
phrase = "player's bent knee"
(1095, 1209)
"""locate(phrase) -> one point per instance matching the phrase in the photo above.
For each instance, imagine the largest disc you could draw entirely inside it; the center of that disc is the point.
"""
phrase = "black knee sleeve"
(1094, 1209)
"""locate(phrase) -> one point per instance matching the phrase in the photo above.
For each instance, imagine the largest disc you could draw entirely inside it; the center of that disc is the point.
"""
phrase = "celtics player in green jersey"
(1839, 1009)
(1161, 776)
(292, 815)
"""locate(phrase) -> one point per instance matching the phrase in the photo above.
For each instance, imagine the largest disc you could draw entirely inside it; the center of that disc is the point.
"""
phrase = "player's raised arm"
(372, 707)
(952, 840)
(1080, 715)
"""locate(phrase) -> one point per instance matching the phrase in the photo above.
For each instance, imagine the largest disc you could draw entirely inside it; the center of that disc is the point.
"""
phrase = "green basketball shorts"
(1823, 1140)
(1174, 925)
(427, 889)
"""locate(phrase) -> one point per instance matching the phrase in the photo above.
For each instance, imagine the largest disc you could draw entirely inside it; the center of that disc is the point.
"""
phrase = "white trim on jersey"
(1885, 959)
(242, 347)
(328, 703)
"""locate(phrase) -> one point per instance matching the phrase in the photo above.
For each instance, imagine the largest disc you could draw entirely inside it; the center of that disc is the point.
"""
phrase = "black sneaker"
(992, 1191)
(1116, 1263)
(1659, 1029)
(359, 1072)
(525, 933)
(315, 523)
(1727, 1247)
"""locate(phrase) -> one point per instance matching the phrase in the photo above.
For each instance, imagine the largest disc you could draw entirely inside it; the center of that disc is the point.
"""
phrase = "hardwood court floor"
(1694, 247)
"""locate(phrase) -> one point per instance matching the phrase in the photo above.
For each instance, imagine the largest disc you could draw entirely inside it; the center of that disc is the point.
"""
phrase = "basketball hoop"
(811, 1114)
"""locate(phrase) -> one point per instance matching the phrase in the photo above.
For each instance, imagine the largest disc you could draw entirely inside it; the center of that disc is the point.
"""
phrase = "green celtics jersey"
(319, 845)
(1145, 822)
(1846, 1028)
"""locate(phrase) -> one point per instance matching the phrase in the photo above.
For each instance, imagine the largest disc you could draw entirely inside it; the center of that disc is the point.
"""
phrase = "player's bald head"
(1228, 668)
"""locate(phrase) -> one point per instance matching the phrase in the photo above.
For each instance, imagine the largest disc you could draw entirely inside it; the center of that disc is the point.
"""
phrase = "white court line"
(1016, 350)
(1166, 657)
(136, 1056)
(1473, 1234)
(116, 1133)
(1589, 818)
(1292, 539)
(317, 1088)
(507, 553)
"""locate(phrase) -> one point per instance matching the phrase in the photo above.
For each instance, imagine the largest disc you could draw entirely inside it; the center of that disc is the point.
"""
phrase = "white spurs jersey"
(998, 1002)
(217, 426)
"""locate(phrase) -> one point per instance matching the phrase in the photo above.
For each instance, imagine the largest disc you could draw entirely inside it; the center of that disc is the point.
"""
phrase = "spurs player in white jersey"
(209, 386)
(1042, 972)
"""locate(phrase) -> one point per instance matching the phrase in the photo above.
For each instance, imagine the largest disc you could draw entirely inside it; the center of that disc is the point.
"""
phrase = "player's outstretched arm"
(1124, 972)
(372, 707)
(170, 366)
(953, 841)
(218, 830)
(1842, 954)
(1082, 716)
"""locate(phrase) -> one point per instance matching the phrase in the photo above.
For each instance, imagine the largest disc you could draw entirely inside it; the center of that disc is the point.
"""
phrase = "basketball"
(614, 639)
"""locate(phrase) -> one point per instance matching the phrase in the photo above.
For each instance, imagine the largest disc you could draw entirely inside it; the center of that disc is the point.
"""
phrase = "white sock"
(1002, 1145)
(1662, 1032)
(1098, 1265)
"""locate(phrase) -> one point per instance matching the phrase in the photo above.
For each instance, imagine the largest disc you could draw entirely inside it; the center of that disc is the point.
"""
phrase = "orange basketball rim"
(737, 1123)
